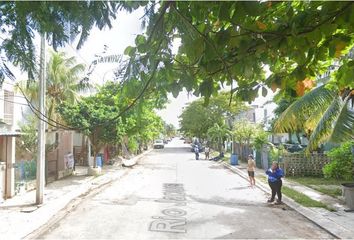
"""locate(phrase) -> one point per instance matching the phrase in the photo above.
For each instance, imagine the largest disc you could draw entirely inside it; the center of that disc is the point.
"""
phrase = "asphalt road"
(171, 195)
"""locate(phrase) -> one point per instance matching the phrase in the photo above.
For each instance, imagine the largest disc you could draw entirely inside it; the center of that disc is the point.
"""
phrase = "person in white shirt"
(207, 151)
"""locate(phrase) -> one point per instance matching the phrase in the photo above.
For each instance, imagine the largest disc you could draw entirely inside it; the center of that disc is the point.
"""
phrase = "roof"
(10, 134)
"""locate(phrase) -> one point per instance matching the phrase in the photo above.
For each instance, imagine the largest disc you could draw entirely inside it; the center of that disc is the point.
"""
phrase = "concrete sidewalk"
(20, 217)
(338, 223)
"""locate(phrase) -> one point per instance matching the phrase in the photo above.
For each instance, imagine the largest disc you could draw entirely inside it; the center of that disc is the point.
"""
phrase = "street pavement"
(170, 195)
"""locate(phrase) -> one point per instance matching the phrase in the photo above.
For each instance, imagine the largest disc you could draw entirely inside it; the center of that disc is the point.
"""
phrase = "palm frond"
(295, 116)
(344, 126)
(324, 128)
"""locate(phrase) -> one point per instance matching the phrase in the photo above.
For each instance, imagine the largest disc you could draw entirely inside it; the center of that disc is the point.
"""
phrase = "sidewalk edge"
(338, 231)
(75, 200)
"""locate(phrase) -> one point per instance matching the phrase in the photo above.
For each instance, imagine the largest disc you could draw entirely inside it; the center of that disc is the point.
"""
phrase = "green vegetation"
(217, 134)
(248, 134)
(300, 197)
(63, 83)
(331, 187)
(99, 117)
(169, 130)
(21, 20)
(333, 192)
(197, 118)
(308, 181)
(341, 165)
(333, 119)
(303, 199)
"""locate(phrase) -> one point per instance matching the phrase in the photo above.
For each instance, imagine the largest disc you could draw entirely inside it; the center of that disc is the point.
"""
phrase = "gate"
(51, 166)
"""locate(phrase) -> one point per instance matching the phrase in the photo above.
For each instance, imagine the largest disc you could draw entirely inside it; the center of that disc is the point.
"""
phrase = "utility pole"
(40, 180)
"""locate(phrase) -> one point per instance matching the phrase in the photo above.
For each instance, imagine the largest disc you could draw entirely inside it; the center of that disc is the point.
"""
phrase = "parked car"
(293, 147)
(159, 143)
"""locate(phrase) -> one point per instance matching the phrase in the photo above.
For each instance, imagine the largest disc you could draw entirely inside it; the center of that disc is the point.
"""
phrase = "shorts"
(250, 173)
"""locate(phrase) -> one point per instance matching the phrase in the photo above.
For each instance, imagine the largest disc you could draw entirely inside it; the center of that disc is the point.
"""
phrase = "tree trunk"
(241, 151)
(94, 158)
(289, 135)
(298, 137)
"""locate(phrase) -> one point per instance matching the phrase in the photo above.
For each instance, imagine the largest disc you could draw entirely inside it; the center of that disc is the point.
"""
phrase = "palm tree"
(218, 133)
(324, 113)
(63, 83)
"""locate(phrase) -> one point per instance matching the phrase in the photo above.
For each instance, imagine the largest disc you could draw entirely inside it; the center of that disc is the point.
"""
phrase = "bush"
(133, 145)
(341, 165)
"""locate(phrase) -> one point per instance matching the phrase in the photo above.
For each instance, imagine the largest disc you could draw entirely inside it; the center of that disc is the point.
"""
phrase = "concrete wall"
(56, 158)
(7, 157)
(2, 181)
(10, 171)
(65, 147)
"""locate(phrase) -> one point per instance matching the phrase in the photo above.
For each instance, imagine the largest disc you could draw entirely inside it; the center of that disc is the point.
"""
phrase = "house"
(8, 134)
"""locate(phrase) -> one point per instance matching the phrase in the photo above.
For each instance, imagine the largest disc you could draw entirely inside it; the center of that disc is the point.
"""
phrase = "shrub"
(341, 165)
(133, 145)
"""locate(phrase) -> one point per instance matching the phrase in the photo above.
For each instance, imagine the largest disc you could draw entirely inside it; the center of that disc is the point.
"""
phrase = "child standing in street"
(206, 151)
(251, 167)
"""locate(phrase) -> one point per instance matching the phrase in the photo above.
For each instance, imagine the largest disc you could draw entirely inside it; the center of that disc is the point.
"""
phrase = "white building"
(11, 105)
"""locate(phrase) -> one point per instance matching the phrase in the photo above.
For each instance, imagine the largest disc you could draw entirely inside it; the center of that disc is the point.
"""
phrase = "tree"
(28, 140)
(170, 130)
(247, 134)
(63, 83)
(94, 118)
(228, 42)
(218, 133)
(99, 117)
(323, 114)
(197, 117)
(61, 21)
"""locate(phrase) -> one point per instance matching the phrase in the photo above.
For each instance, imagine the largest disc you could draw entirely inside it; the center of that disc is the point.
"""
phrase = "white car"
(159, 144)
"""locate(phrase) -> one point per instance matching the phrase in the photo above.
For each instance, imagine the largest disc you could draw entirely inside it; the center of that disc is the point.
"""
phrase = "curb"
(135, 160)
(326, 224)
(91, 187)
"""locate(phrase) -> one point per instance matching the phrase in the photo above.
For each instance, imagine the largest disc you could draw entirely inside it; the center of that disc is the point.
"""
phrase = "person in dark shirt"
(275, 173)
(196, 151)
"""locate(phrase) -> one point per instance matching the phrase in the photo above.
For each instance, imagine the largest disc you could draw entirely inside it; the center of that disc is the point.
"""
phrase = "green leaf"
(130, 51)
(140, 39)
(296, 115)
(252, 8)
(344, 125)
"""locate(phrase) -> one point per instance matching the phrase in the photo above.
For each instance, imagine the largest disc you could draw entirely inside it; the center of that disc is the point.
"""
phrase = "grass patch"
(262, 178)
(333, 192)
(315, 181)
(226, 157)
(303, 199)
(331, 187)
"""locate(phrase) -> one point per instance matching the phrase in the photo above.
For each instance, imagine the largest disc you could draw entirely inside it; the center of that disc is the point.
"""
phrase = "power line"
(9, 101)
(88, 64)
(39, 114)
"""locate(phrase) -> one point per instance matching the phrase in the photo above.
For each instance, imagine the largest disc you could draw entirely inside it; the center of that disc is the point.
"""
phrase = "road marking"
(172, 219)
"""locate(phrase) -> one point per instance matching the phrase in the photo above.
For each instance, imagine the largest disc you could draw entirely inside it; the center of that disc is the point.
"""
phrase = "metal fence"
(25, 175)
